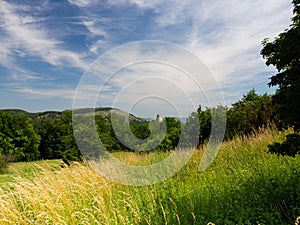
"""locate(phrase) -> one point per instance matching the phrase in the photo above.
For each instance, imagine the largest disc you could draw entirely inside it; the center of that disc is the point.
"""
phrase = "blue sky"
(47, 46)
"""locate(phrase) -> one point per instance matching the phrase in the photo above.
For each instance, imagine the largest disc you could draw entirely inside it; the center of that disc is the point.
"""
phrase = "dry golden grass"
(78, 195)
(74, 195)
(141, 159)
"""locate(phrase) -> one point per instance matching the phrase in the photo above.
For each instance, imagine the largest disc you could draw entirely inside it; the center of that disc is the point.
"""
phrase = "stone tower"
(159, 118)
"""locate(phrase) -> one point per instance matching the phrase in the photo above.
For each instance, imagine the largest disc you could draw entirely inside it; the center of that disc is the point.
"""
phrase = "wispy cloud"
(149, 71)
(97, 30)
(82, 3)
(238, 27)
(46, 94)
(225, 35)
(23, 37)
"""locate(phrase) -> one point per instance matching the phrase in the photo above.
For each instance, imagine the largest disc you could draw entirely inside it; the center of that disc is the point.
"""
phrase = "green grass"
(244, 185)
(28, 170)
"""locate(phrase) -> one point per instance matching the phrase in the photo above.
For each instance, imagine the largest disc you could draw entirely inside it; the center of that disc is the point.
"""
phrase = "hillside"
(20, 112)
(104, 111)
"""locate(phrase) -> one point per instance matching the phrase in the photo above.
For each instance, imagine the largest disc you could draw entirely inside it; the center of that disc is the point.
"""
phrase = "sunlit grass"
(141, 158)
(244, 185)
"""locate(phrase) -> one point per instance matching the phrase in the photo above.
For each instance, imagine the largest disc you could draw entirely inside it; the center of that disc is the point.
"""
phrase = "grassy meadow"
(244, 185)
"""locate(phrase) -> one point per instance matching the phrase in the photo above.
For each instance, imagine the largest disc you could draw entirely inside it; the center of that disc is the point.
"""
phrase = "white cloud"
(23, 37)
(25, 75)
(52, 93)
(5, 52)
(144, 4)
(81, 3)
(100, 44)
(94, 29)
(150, 70)
(63, 93)
(226, 35)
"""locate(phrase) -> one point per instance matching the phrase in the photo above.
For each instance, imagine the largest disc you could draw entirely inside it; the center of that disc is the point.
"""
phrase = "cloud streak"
(24, 38)
(225, 35)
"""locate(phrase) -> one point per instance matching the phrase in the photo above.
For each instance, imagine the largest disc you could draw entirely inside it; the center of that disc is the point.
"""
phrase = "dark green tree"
(18, 138)
(205, 124)
(249, 114)
(284, 54)
(57, 139)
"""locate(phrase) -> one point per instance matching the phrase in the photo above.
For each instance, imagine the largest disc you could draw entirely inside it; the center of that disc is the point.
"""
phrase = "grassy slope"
(244, 185)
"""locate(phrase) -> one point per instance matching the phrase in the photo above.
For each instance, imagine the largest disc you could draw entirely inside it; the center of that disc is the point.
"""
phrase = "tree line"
(24, 137)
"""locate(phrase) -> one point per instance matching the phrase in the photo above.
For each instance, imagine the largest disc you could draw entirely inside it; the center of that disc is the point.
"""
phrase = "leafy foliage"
(18, 137)
(284, 54)
(249, 114)
(57, 139)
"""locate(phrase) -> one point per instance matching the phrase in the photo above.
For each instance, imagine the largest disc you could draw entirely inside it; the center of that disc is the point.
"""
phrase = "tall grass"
(244, 185)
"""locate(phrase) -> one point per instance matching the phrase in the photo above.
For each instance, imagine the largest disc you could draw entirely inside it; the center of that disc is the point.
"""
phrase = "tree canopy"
(284, 54)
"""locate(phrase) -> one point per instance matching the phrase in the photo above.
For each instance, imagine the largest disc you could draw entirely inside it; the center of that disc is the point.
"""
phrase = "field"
(244, 185)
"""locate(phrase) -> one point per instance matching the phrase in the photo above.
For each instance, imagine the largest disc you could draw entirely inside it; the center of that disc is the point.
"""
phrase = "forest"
(49, 135)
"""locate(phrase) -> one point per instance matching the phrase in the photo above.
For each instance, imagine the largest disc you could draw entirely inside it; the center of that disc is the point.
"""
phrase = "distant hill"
(50, 114)
(16, 112)
(104, 111)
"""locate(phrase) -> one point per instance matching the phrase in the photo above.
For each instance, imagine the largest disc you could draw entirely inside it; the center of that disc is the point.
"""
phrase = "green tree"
(200, 124)
(284, 54)
(57, 139)
(205, 124)
(250, 113)
(173, 132)
(18, 138)
(107, 134)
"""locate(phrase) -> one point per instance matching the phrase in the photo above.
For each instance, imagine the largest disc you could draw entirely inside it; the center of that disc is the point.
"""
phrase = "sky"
(135, 55)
